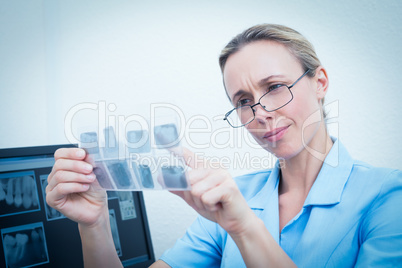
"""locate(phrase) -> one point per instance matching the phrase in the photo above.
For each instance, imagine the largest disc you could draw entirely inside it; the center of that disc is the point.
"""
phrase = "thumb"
(195, 161)
(192, 160)
(188, 156)
(199, 162)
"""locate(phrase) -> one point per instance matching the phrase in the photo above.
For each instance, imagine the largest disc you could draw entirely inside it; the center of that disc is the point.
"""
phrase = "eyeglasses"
(277, 96)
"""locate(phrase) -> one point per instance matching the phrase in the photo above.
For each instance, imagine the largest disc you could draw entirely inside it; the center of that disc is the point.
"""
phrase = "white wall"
(57, 54)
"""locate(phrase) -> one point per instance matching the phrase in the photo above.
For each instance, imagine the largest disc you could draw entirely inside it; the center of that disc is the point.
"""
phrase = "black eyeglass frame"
(259, 103)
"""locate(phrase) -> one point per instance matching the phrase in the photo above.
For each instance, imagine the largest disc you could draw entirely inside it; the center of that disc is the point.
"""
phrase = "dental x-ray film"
(144, 157)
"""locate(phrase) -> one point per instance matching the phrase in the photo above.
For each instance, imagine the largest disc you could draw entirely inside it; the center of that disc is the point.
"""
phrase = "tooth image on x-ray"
(89, 142)
(25, 246)
(120, 173)
(111, 149)
(174, 177)
(146, 176)
(18, 193)
(139, 141)
(102, 176)
(118, 169)
(166, 136)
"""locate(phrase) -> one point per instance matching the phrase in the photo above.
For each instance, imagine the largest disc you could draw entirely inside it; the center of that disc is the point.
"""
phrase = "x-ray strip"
(103, 176)
(25, 245)
(119, 171)
(51, 213)
(138, 141)
(114, 174)
(141, 161)
(111, 149)
(18, 193)
(166, 136)
(145, 175)
(174, 177)
(89, 141)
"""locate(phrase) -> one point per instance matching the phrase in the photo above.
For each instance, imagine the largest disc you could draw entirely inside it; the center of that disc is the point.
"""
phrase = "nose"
(261, 115)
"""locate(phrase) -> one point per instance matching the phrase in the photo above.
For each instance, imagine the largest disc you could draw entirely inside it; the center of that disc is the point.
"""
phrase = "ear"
(321, 79)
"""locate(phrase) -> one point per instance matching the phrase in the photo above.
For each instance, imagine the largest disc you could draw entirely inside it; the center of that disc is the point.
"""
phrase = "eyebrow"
(266, 79)
(260, 83)
(240, 92)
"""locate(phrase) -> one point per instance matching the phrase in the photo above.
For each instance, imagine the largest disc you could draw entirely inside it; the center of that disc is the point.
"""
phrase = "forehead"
(256, 61)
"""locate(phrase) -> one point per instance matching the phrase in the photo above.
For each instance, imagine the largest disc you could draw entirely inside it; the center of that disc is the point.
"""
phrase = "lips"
(276, 134)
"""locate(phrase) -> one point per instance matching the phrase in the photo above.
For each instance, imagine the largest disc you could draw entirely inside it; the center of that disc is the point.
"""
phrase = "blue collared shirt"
(352, 216)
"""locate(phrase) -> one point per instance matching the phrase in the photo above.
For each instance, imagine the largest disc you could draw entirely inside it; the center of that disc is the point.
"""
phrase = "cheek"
(306, 117)
(256, 129)
(303, 108)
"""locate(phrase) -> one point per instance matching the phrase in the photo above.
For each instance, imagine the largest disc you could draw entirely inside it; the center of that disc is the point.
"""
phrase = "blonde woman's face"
(250, 72)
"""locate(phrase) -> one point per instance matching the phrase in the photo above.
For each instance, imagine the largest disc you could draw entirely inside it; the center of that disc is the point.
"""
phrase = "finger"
(72, 165)
(203, 186)
(219, 196)
(90, 160)
(186, 195)
(70, 153)
(59, 192)
(197, 203)
(64, 176)
(191, 159)
(184, 153)
(213, 199)
(205, 183)
(178, 193)
(196, 175)
(198, 162)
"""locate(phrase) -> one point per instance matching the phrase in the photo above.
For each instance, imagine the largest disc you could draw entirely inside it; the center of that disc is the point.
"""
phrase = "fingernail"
(85, 186)
(91, 177)
(88, 167)
(80, 153)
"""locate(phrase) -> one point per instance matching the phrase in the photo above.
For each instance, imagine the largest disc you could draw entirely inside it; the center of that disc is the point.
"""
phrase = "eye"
(275, 87)
(243, 102)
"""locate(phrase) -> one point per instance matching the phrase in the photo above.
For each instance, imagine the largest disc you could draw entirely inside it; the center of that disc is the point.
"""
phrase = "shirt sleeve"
(202, 244)
(381, 230)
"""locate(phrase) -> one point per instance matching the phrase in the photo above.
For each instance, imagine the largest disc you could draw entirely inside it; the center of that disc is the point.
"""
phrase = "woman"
(306, 211)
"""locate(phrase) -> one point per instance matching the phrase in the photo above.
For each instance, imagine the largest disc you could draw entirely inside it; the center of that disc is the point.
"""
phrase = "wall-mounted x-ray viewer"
(32, 234)
(137, 157)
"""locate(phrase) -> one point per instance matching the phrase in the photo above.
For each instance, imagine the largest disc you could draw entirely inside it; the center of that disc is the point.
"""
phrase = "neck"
(300, 172)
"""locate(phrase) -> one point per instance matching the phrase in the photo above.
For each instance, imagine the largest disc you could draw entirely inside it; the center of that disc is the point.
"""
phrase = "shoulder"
(375, 176)
(250, 184)
(380, 229)
(383, 189)
(386, 181)
(357, 172)
(365, 168)
(373, 183)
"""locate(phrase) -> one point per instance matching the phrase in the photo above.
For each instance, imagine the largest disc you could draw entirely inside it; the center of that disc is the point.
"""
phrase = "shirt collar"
(327, 188)
(268, 195)
(335, 171)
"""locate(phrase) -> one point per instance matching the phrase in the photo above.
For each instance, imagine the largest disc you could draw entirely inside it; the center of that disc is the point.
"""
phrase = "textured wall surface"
(56, 55)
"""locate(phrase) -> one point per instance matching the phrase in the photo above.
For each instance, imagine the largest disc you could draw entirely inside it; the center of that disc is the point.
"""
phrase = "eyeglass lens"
(271, 101)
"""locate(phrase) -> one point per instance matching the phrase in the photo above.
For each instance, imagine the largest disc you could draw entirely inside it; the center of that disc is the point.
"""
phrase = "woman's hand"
(215, 195)
(73, 190)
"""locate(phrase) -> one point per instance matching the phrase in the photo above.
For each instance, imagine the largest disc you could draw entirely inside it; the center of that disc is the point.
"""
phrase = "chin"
(280, 149)
(284, 154)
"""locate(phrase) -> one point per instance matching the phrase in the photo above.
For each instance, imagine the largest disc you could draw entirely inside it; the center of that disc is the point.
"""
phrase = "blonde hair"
(297, 44)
